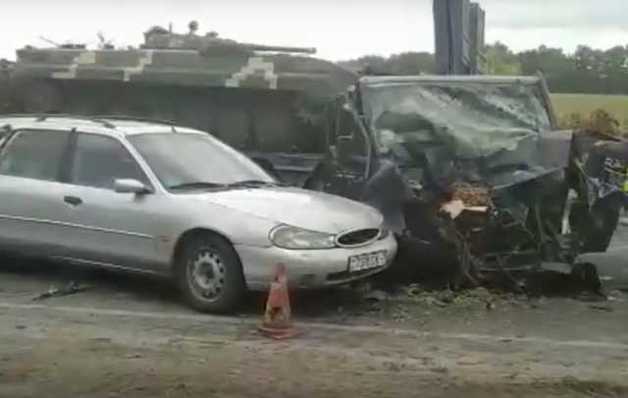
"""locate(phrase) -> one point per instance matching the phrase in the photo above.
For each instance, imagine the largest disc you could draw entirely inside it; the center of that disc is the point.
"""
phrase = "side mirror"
(129, 185)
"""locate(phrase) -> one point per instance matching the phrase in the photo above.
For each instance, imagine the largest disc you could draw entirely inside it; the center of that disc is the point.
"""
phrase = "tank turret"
(158, 37)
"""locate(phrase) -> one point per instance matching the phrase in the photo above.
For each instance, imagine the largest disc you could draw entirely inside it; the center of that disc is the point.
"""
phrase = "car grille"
(358, 238)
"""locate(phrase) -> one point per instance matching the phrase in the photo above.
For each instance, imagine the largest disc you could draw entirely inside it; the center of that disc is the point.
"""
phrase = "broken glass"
(472, 120)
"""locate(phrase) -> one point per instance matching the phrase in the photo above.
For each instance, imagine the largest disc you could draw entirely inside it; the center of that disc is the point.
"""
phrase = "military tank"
(6, 68)
(253, 96)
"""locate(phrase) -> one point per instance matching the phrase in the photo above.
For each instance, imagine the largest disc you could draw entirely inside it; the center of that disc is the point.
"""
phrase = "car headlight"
(288, 237)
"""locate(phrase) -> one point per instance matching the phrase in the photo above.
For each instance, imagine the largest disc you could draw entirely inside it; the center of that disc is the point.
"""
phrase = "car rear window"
(36, 154)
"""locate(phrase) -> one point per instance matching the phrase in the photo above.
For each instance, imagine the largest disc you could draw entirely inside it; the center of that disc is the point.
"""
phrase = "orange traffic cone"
(277, 323)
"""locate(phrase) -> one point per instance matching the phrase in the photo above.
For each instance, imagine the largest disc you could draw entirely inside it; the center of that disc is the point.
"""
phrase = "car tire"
(209, 274)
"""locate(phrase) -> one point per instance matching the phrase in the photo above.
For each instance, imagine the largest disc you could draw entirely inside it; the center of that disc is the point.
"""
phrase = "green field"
(584, 104)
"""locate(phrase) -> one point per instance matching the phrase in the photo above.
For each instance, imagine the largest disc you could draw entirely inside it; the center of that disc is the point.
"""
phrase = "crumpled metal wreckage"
(474, 177)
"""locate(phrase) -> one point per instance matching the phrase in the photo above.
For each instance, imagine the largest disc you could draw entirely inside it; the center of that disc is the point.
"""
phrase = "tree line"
(587, 70)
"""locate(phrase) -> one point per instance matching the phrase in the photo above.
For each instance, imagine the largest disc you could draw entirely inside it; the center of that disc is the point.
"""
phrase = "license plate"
(366, 261)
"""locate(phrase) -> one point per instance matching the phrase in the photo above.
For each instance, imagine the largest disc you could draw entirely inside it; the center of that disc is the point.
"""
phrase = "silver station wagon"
(158, 198)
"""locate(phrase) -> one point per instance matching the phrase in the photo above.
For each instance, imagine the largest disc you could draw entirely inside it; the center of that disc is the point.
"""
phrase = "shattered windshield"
(472, 119)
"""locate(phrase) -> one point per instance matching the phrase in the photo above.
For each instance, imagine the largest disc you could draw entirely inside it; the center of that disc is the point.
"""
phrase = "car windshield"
(481, 119)
(196, 161)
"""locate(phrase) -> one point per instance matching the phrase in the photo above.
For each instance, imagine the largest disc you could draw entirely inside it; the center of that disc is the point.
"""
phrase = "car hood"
(310, 210)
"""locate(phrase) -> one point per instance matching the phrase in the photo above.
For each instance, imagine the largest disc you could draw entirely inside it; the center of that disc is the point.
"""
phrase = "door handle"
(73, 200)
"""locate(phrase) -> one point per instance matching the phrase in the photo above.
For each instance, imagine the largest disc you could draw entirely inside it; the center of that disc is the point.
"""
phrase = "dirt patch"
(60, 366)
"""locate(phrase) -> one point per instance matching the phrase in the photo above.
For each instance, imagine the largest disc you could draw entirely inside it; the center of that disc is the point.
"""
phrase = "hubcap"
(207, 274)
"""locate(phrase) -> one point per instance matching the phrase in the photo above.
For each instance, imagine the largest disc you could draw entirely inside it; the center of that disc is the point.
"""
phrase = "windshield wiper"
(253, 183)
(237, 184)
(196, 185)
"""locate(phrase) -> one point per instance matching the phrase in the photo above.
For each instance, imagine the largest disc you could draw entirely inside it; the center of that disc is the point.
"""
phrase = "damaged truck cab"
(470, 172)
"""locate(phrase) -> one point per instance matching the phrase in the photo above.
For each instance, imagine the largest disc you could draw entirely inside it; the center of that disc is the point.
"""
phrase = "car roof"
(116, 126)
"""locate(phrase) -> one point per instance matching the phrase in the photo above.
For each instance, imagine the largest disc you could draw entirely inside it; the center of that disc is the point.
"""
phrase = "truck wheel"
(39, 96)
(209, 274)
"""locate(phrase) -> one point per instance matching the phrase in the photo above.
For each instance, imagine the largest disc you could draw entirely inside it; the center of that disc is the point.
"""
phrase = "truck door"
(350, 155)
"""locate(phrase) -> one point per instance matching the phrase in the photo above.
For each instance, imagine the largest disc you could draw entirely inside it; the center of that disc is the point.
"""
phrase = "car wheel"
(209, 274)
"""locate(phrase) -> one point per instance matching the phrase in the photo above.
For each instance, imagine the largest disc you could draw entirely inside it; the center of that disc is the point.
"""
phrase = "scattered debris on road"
(376, 296)
(134, 356)
(399, 300)
(478, 297)
(72, 287)
(605, 308)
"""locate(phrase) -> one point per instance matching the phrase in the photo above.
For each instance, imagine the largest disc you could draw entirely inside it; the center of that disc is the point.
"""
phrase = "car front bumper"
(309, 268)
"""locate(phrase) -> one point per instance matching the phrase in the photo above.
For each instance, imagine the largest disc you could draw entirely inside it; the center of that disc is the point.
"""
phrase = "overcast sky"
(340, 29)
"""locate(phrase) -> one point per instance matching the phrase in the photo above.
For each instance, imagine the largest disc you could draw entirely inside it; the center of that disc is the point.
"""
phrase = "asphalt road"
(131, 336)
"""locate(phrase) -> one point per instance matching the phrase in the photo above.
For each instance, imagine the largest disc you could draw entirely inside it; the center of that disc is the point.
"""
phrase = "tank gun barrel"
(284, 49)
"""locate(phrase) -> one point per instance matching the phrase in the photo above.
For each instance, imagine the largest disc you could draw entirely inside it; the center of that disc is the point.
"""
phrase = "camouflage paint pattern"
(214, 67)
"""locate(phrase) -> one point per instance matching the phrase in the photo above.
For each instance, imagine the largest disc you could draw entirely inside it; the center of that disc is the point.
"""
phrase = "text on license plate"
(366, 261)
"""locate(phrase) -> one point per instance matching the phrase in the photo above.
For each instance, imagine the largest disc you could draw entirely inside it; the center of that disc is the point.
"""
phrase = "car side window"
(36, 154)
(100, 160)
